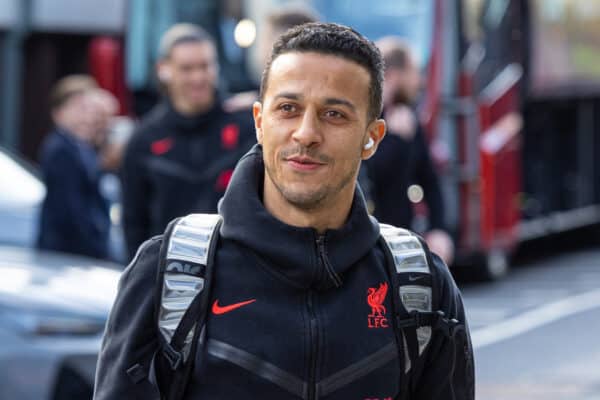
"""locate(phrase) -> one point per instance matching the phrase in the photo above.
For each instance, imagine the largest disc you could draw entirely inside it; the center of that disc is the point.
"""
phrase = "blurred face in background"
(190, 73)
(76, 115)
(402, 85)
(104, 108)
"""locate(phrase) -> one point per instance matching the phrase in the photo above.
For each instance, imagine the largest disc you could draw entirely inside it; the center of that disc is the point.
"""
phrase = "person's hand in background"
(441, 244)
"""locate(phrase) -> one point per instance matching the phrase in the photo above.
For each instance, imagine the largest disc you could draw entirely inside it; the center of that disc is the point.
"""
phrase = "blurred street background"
(509, 106)
(534, 333)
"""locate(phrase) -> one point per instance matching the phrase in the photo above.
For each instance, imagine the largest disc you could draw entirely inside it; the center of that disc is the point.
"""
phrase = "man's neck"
(190, 110)
(330, 215)
(73, 133)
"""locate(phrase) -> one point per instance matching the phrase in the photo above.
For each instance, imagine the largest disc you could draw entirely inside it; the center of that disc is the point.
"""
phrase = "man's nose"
(198, 74)
(308, 132)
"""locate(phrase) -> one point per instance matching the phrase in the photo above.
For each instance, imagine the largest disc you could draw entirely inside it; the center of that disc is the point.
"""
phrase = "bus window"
(565, 48)
(471, 17)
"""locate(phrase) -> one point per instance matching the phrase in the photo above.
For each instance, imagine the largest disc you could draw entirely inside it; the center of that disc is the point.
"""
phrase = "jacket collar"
(192, 123)
(292, 251)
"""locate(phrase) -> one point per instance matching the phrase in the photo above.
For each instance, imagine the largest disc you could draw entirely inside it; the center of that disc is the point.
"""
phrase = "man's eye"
(287, 108)
(334, 114)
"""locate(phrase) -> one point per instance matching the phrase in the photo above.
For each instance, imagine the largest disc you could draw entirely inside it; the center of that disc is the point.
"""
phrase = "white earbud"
(369, 144)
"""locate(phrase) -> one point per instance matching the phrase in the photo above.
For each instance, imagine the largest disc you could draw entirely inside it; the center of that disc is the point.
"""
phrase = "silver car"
(53, 307)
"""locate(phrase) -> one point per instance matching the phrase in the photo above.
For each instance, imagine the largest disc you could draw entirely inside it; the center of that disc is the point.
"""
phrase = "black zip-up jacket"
(397, 164)
(303, 336)
(176, 165)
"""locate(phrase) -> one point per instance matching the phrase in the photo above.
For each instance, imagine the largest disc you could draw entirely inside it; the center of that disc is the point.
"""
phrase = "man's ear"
(163, 71)
(257, 113)
(375, 134)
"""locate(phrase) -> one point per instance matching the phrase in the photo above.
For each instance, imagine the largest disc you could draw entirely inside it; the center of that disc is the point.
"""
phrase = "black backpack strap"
(408, 263)
(397, 306)
(185, 276)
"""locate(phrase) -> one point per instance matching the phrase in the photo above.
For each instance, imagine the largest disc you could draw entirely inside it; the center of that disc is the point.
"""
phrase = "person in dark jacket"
(180, 158)
(402, 172)
(297, 254)
(74, 216)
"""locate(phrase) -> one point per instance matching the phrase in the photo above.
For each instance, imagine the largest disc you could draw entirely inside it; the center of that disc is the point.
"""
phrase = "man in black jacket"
(402, 171)
(181, 157)
(297, 255)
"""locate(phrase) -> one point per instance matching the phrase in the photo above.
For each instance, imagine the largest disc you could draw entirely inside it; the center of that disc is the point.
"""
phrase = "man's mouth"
(304, 163)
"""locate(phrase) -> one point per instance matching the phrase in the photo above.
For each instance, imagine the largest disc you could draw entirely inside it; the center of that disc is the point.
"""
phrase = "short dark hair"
(333, 39)
(69, 87)
(181, 33)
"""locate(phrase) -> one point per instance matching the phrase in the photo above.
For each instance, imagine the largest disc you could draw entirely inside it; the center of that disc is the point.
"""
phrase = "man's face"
(104, 108)
(76, 115)
(190, 74)
(404, 83)
(313, 126)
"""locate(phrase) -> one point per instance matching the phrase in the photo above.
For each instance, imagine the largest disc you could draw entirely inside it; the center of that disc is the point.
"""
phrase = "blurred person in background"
(403, 158)
(110, 138)
(275, 24)
(74, 217)
(180, 158)
(105, 108)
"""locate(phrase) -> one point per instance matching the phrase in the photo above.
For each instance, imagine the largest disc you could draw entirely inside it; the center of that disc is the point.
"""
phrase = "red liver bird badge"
(375, 298)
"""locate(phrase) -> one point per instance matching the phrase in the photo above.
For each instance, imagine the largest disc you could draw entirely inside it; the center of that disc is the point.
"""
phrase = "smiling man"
(181, 156)
(309, 301)
(317, 114)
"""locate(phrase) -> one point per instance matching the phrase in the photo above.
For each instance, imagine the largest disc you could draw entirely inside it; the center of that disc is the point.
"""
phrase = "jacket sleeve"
(136, 193)
(448, 372)
(427, 177)
(130, 338)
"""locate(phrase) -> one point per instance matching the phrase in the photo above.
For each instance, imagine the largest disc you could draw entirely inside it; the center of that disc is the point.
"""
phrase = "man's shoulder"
(150, 125)
(54, 141)
(439, 270)
(448, 293)
(149, 129)
(236, 129)
(57, 148)
(144, 264)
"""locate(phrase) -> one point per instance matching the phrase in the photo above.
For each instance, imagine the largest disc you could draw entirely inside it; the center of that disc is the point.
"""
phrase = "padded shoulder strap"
(184, 273)
(413, 285)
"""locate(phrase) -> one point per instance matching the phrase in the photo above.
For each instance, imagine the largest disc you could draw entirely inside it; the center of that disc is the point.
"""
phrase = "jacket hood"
(299, 254)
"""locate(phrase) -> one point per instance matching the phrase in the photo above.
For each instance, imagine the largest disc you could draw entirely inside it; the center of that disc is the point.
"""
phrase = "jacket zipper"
(313, 393)
(337, 281)
(314, 349)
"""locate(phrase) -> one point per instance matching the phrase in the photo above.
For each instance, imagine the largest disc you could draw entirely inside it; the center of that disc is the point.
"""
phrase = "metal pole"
(10, 91)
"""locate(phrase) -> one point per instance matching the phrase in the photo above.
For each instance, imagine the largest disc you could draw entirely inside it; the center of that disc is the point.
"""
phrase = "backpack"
(184, 280)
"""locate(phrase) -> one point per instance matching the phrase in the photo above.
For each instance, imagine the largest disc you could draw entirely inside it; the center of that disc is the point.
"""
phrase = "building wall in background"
(8, 13)
(88, 16)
